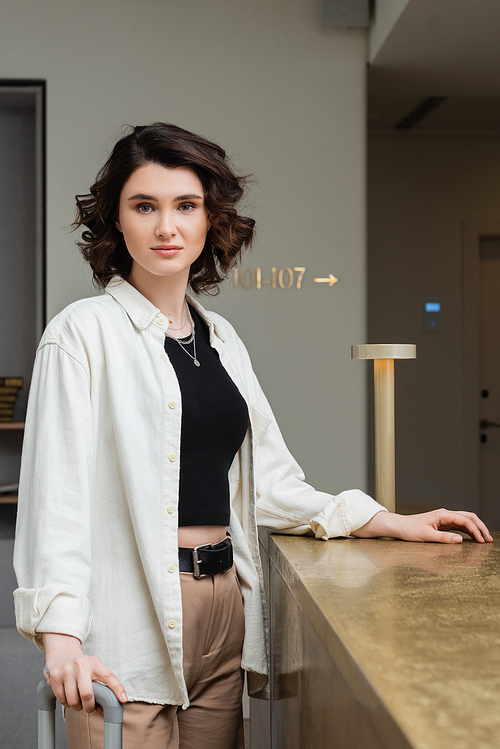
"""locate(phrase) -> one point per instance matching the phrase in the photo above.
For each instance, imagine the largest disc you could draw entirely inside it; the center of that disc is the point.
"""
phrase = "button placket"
(171, 446)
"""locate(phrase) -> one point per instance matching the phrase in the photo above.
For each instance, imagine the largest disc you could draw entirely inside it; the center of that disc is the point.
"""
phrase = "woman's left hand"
(436, 526)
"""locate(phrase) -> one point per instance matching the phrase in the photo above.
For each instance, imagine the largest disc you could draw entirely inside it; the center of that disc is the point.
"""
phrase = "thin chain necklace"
(191, 339)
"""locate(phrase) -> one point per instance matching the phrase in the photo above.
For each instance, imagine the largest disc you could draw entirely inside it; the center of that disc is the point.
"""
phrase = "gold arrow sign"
(330, 280)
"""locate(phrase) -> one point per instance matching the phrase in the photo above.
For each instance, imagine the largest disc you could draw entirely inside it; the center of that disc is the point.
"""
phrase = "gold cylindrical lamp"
(383, 355)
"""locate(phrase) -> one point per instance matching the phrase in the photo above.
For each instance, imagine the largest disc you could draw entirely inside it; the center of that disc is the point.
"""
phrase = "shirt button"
(141, 321)
(170, 509)
(171, 568)
(172, 458)
(172, 404)
(172, 624)
(160, 320)
(163, 356)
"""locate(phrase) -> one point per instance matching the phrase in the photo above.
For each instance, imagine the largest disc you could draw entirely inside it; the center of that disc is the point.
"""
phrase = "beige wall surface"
(421, 189)
(285, 97)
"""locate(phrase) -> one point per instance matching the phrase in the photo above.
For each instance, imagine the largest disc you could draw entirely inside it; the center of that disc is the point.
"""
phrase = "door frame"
(37, 88)
(472, 232)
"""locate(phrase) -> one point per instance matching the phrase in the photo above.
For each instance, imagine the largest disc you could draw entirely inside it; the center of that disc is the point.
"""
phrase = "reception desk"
(381, 644)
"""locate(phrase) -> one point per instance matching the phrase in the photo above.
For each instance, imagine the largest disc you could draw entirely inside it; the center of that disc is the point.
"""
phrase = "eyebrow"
(189, 196)
(143, 196)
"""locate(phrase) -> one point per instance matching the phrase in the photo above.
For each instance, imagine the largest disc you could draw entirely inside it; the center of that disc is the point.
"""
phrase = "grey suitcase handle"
(113, 716)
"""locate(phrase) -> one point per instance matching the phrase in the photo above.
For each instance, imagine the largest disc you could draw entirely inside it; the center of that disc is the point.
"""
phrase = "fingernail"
(457, 538)
(124, 696)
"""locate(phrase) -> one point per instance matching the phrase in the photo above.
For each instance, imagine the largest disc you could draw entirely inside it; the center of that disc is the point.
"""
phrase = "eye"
(186, 207)
(144, 208)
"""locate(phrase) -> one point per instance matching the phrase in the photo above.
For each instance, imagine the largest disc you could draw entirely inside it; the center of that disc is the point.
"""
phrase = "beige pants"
(213, 629)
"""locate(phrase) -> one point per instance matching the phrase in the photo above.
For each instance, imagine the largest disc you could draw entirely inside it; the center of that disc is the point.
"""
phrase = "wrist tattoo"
(46, 671)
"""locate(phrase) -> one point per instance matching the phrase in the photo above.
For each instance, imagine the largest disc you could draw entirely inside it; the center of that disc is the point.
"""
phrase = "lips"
(167, 250)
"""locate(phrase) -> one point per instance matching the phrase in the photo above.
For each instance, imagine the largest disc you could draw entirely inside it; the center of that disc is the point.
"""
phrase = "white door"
(489, 379)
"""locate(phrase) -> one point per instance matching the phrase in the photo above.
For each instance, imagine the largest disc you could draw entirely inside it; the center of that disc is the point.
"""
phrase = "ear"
(118, 225)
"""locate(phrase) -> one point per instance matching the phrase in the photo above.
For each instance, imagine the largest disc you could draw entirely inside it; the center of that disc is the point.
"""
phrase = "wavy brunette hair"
(103, 246)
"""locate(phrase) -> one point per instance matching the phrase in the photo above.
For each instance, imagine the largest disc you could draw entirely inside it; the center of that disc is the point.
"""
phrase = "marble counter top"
(414, 628)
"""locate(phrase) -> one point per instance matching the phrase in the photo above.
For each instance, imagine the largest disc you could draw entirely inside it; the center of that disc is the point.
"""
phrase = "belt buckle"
(197, 562)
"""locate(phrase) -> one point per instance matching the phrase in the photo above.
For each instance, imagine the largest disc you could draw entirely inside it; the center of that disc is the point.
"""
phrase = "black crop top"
(214, 424)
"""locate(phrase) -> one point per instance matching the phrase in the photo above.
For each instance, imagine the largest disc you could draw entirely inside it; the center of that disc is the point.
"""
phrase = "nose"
(165, 226)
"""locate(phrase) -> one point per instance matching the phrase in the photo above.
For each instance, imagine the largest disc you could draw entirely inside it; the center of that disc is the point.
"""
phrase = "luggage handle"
(112, 708)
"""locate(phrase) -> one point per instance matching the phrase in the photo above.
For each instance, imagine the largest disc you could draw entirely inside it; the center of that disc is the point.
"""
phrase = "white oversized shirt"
(96, 539)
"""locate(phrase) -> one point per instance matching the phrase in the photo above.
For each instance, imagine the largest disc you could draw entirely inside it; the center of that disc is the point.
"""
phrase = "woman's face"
(163, 219)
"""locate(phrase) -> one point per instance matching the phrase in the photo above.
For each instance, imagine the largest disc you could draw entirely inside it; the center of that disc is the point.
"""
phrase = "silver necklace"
(191, 339)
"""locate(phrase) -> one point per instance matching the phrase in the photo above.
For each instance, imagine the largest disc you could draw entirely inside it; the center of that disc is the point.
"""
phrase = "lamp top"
(384, 351)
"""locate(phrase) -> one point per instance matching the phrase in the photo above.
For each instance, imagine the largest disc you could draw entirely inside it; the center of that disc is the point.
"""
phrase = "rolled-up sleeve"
(52, 553)
(344, 514)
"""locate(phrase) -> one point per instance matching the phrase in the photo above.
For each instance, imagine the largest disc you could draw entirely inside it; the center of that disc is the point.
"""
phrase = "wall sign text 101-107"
(279, 278)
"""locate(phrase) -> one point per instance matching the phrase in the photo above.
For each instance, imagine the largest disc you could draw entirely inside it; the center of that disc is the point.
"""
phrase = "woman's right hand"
(70, 673)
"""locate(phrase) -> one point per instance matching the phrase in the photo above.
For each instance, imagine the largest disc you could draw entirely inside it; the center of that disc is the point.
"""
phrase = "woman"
(147, 438)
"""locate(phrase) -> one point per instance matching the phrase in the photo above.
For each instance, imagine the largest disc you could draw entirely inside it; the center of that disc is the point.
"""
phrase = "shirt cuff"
(345, 513)
(52, 609)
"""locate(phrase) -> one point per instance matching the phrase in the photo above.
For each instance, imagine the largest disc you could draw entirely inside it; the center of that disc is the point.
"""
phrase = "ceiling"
(451, 115)
(439, 48)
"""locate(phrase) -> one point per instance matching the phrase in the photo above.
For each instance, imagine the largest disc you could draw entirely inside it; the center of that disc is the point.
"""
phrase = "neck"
(167, 293)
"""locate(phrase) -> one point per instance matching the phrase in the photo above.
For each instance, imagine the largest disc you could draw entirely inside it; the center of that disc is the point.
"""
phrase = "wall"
(286, 99)
(421, 189)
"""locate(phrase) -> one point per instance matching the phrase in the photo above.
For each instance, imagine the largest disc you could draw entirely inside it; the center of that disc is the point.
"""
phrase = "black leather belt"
(207, 559)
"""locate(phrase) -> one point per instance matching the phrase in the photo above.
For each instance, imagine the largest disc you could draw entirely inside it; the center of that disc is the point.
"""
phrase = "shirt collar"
(142, 312)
